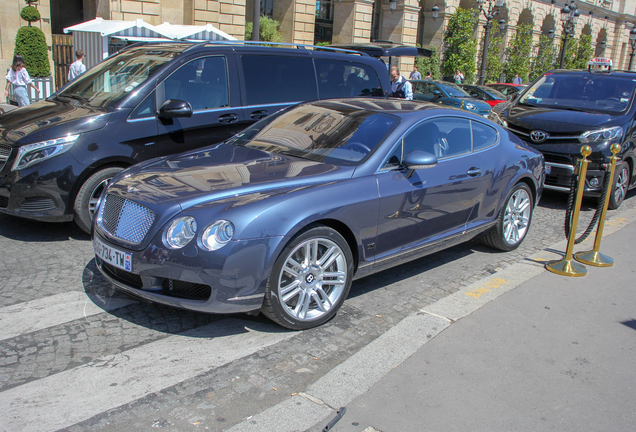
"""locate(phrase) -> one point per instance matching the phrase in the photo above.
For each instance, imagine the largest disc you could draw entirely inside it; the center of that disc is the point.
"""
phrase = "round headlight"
(470, 106)
(217, 235)
(180, 232)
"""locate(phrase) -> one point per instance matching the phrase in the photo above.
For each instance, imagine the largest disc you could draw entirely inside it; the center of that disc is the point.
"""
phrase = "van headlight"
(470, 106)
(601, 135)
(217, 235)
(31, 154)
(180, 232)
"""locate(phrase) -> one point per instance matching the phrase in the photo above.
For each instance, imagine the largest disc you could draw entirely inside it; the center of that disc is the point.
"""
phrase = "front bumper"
(229, 280)
(559, 176)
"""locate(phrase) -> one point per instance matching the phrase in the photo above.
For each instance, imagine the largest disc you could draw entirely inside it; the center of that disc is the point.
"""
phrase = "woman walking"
(19, 77)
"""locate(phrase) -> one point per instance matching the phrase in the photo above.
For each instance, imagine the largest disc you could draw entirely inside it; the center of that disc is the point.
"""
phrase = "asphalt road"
(77, 355)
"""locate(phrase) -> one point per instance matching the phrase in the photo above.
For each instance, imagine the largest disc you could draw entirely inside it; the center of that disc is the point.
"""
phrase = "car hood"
(557, 120)
(219, 172)
(36, 122)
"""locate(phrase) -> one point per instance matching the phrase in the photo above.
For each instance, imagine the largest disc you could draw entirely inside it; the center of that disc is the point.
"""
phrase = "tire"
(619, 188)
(89, 194)
(301, 292)
(513, 221)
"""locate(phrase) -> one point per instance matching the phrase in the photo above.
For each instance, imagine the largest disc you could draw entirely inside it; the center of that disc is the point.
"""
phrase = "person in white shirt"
(400, 87)
(77, 68)
(19, 77)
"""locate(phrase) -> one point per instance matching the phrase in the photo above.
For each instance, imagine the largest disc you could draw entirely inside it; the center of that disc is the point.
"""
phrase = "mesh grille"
(127, 278)
(125, 220)
(38, 205)
(5, 151)
(185, 290)
(4, 202)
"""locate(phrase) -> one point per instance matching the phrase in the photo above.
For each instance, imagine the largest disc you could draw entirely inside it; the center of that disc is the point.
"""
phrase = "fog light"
(594, 182)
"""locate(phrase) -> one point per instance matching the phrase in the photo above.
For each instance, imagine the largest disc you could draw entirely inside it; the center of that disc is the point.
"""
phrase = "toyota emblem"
(537, 136)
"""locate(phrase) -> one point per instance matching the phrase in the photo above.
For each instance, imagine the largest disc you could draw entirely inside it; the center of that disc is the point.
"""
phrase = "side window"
(201, 82)
(146, 108)
(278, 79)
(346, 79)
(455, 135)
(483, 136)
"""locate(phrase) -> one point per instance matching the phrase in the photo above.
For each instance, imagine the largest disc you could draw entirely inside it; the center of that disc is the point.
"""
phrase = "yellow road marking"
(495, 283)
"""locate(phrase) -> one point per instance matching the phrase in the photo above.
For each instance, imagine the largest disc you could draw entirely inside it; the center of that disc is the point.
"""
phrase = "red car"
(488, 94)
(508, 89)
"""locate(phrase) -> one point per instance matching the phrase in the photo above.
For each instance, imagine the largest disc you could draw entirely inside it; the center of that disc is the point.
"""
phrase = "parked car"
(566, 109)
(284, 215)
(507, 89)
(57, 155)
(489, 95)
(448, 94)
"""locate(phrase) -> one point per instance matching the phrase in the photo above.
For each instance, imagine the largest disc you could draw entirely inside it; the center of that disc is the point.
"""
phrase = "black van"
(565, 109)
(150, 100)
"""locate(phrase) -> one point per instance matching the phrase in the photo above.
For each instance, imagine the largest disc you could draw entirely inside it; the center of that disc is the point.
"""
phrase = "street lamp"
(489, 14)
(435, 12)
(632, 42)
(569, 16)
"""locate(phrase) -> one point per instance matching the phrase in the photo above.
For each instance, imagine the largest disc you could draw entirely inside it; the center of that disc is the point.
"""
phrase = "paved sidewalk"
(555, 353)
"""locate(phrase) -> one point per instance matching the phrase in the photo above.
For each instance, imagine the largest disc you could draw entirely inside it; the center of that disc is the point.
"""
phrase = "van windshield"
(585, 92)
(114, 78)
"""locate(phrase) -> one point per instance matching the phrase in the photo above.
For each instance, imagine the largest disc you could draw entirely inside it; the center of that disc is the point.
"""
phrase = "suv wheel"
(619, 188)
(88, 196)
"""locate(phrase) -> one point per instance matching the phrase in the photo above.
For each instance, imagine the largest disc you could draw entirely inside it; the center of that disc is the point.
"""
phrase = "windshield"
(585, 92)
(492, 92)
(453, 90)
(330, 134)
(114, 78)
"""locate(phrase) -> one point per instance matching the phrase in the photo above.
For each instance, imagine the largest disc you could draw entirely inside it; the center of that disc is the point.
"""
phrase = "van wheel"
(88, 196)
(310, 279)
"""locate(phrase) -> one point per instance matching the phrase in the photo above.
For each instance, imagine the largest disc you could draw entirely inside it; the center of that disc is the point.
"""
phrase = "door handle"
(228, 118)
(473, 172)
(257, 115)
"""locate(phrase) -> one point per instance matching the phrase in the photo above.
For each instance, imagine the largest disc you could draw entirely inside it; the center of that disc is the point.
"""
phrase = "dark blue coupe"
(283, 216)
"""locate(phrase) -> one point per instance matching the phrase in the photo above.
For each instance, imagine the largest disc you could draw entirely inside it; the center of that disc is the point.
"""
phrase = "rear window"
(585, 92)
(346, 79)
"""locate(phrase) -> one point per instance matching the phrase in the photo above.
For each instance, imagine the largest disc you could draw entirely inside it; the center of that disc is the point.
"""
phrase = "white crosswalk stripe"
(75, 395)
(54, 310)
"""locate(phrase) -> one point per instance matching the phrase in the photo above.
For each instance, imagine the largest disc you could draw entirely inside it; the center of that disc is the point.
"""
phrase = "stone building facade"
(339, 21)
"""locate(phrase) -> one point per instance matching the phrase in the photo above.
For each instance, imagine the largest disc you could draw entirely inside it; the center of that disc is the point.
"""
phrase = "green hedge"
(30, 14)
(30, 43)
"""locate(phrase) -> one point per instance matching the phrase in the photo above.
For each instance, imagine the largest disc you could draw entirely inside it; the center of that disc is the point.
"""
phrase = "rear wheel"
(310, 279)
(619, 188)
(88, 196)
(513, 221)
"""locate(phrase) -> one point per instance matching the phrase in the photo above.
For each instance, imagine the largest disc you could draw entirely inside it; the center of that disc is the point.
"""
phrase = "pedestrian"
(459, 77)
(19, 77)
(415, 75)
(400, 87)
(429, 76)
(77, 68)
(517, 80)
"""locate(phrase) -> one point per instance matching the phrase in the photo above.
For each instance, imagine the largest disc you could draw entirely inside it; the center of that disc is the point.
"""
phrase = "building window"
(267, 8)
(323, 30)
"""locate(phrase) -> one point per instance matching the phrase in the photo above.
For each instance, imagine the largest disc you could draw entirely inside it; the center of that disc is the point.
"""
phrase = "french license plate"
(112, 256)
(548, 168)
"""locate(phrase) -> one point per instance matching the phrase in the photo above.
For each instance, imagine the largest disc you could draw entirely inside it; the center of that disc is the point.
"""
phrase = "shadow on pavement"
(28, 230)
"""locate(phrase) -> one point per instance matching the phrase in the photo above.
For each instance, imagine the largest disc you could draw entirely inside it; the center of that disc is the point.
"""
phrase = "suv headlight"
(217, 235)
(31, 154)
(601, 135)
(180, 232)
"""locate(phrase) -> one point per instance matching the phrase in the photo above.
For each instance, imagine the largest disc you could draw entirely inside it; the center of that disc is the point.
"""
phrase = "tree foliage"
(30, 14)
(461, 47)
(571, 50)
(584, 52)
(268, 30)
(494, 61)
(30, 43)
(429, 64)
(519, 51)
(544, 61)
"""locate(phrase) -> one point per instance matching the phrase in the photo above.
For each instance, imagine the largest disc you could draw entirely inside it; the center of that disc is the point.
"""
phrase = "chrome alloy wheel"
(622, 180)
(517, 217)
(96, 193)
(312, 279)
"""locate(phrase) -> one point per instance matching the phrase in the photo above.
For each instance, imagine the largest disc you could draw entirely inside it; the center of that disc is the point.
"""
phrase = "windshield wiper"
(82, 99)
(58, 98)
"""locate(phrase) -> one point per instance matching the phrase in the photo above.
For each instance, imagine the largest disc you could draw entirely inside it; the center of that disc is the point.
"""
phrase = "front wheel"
(88, 196)
(619, 188)
(310, 279)
(513, 221)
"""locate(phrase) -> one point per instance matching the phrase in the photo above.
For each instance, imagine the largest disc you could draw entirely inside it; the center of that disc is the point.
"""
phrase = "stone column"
(297, 19)
(352, 21)
(400, 26)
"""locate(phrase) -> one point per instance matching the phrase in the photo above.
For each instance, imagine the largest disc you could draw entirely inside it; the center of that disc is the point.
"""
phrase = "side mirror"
(175, 108)
(418, 160)
(437, 93)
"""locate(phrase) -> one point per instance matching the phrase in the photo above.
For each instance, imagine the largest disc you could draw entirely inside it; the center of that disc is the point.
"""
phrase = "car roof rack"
(285, 45)
(379, 48)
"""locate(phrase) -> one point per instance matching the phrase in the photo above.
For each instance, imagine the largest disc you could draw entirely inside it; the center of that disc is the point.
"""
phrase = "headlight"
(180, 232)
(601, 135)
(470, 106)
(32, 154)
(217, 235)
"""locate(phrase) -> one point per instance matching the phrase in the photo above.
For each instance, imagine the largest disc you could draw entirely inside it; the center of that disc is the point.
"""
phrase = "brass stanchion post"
(594, 257)
(567, 267)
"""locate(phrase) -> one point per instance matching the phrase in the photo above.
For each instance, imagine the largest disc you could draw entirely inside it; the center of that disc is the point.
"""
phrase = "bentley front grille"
(124, 219)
